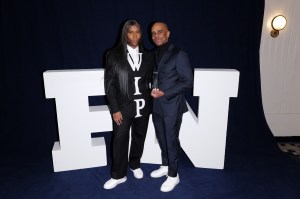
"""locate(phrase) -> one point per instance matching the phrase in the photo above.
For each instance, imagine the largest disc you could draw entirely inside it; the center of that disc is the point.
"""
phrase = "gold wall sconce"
(278, 23)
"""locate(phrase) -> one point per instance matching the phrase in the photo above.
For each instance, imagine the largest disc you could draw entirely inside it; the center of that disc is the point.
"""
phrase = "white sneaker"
(112, 183)
(162, 171)
(170, 184)
(138, 173)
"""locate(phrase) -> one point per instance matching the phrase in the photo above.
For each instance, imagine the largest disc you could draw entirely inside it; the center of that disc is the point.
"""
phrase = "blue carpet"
(246, 175)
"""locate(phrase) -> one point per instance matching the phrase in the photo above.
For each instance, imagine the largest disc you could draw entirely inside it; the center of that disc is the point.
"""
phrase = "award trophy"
(155, 80)
(155, 74)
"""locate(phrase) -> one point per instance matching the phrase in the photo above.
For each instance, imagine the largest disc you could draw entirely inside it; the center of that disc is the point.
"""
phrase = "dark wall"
(51, 35)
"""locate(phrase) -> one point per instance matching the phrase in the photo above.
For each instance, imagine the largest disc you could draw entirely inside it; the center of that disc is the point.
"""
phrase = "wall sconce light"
(278, 23)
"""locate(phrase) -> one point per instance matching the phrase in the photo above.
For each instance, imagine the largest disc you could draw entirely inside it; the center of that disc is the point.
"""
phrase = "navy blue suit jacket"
(175, 77)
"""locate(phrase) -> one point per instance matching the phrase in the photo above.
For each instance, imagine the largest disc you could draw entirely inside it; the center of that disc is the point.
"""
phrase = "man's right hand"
(117, 117)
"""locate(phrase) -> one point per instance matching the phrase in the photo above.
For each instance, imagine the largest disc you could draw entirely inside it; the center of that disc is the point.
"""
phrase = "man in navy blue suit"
(175, 76)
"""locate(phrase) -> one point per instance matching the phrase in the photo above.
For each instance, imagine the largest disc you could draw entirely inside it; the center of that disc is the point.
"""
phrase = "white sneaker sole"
(168, 190)
(158, 176)
(119, 182)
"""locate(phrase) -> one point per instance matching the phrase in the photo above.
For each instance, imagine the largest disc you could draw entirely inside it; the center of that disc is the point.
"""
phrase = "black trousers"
(120, 145)
(167, 133)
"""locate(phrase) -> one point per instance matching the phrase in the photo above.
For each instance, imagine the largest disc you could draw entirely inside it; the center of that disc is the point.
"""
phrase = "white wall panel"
(280, 69)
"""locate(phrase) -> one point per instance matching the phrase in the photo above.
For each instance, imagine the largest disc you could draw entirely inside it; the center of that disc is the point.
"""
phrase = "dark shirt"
(161, 50)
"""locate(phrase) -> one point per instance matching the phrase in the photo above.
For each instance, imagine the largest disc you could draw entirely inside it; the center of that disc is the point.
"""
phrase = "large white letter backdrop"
(202, 137)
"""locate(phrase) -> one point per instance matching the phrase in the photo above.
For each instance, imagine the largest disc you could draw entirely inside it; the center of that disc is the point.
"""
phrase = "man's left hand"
(156, 93)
